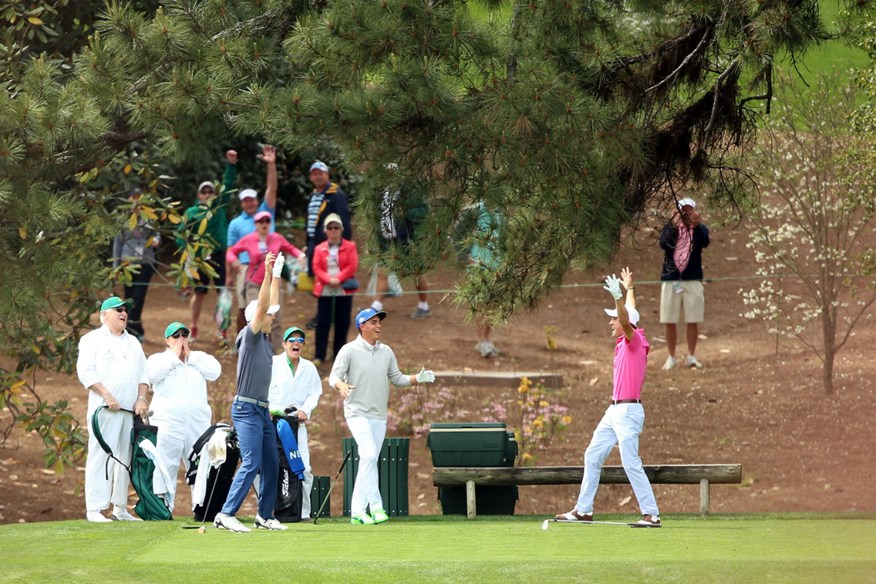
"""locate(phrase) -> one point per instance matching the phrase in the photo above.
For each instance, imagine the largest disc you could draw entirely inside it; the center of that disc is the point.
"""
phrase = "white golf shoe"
(96, 517)
(121, 514)
(271, 523)
(230, 523)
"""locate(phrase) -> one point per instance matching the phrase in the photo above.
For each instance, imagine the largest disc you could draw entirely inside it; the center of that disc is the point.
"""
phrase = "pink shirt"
(630, 361)
(252, 244)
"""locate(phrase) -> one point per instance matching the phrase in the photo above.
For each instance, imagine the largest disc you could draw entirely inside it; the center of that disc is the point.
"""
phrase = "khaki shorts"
(240, 286)
(678, 293)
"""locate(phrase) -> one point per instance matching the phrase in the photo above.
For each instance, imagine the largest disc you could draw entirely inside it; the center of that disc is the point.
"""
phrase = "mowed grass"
(762, 548)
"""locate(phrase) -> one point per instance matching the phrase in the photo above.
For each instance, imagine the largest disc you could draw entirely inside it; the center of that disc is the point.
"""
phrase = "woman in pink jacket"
(257, 244)
(335, 262)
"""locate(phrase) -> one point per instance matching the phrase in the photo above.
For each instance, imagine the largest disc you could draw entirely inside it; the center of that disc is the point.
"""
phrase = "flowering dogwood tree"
(813, 231)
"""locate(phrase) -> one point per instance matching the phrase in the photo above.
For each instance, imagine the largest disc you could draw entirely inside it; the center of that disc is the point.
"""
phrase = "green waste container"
(319, 493)
(471, 444)
(474, 444)
(392, 472)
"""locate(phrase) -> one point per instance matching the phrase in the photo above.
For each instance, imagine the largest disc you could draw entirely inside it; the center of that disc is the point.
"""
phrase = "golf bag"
(142, 467)
(287, 508)
(213, 461)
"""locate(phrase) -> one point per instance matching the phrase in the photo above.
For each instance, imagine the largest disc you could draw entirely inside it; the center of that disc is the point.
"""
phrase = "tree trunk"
(827, 370)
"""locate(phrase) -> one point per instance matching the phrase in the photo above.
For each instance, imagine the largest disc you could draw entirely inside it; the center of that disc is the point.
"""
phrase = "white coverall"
(118, 362)
(301, 390)
(180, 408)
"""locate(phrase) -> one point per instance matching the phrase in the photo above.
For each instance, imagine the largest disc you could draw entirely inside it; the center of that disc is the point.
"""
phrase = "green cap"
(173, 327)
(290, 330)
(115, 302)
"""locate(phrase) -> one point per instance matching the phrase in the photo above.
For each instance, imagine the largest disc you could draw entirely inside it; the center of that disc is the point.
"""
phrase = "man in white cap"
(112, 366)
(209, 246)
(682, 240)
(625, 417)
(362, 372)
(326, 198)
(244, 224)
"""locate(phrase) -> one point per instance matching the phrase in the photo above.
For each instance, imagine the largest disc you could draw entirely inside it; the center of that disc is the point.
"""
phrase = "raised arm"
(269, 157)
(627, 281)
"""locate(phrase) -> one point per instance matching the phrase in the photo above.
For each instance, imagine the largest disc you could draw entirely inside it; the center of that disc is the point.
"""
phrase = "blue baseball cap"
(319, 165)
(367, 314)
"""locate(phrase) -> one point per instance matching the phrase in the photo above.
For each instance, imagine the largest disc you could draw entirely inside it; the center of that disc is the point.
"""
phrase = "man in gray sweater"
(362, 372)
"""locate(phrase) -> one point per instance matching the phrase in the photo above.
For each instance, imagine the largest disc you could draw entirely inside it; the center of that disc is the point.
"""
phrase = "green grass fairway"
(762, 548)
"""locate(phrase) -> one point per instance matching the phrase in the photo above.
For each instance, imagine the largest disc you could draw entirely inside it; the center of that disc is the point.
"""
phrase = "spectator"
(483, 256)
(326, 198)
(683, 239)
(362, 373)
(335, 263)
(209, 247)
(625, 417)
(399, 220)
(249, 411)
(137, 247)
(295, 383)
(112, 366)
(244, 224)
(180, 407)
(256, 246)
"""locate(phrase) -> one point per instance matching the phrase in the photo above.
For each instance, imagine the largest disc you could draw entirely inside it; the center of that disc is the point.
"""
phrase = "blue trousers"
(258, 452)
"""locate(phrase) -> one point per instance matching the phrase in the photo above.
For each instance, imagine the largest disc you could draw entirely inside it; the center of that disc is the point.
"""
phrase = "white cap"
(248, 193)
(319, 165)
(631, 312)
(251, 308)
(686, 202)
(206, 183)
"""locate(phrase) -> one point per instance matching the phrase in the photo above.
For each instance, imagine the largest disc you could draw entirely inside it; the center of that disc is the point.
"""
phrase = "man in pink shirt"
(625, 417)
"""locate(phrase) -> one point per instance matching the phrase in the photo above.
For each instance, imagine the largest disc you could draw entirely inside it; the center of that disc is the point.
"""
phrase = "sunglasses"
(295, 340)
(208, 191)
(178, 334)
(263, 221)
(332, 228)
(121, 309)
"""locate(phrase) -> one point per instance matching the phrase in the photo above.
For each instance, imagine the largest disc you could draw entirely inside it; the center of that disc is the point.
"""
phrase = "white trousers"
(621, 425)
(369, 435)
(115, 427)
(307, 484)
(180, 424)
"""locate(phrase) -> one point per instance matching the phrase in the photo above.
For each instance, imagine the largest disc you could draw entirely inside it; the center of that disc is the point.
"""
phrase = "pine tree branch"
(686, 60)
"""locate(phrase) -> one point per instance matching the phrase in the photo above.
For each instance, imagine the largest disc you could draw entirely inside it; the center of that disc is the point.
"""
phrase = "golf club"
(332, 486)
(206, 509)
(547, 522)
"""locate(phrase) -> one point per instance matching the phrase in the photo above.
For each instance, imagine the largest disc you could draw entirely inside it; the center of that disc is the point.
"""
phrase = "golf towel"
(290, 448)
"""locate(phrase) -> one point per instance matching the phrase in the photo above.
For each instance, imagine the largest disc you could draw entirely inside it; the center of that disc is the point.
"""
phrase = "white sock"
(423, 305)
(377, 305)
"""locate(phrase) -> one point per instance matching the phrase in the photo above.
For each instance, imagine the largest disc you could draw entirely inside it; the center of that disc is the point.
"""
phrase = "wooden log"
(670, 474)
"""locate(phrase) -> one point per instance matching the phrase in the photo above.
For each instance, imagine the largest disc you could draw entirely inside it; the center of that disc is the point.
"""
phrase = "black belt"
(614, 402)
(250, 400)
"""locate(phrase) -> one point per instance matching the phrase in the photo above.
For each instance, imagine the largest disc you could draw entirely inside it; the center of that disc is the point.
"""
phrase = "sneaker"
(692, 362)
(379, 516)
(573, 515)
(647, 521)
(363, 519)
(230, 523)
(421, 314)
(311, 324)
(670, 363)
(193, 334)
(96, 517)
(120, 514)
(271, 523)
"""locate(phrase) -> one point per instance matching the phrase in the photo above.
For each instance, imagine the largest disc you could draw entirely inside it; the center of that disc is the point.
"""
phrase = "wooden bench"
(666, 474)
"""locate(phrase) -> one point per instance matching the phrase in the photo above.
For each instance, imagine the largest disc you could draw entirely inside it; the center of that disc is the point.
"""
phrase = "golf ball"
(544, 525)
(203, 529)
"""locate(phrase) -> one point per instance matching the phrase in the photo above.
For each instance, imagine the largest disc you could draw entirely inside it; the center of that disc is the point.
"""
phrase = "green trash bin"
(319, 493)
(474, 444)
(392, 473)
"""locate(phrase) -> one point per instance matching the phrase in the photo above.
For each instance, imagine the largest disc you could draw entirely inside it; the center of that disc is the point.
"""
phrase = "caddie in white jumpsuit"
(112, 366)
(180, 408)
(295, 383)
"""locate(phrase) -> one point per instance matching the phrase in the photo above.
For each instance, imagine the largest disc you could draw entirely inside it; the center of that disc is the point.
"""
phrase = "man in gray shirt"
(362, 372)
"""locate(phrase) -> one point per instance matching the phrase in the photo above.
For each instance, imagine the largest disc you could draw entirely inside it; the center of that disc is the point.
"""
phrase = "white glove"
(425, 376)
(613, 285)
(278, 265)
